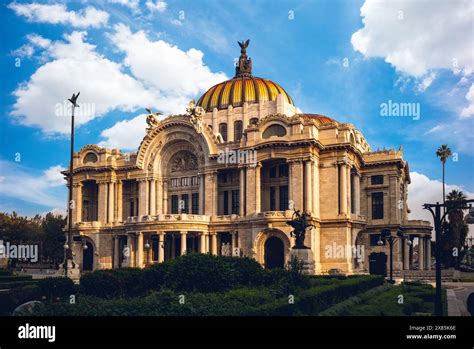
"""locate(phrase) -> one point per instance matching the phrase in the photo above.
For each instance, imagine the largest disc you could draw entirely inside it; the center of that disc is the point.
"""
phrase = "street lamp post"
(439, 220)
(68, 245)
(386, 235)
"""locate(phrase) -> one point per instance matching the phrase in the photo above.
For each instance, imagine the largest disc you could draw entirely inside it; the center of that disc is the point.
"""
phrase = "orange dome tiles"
(241, 89)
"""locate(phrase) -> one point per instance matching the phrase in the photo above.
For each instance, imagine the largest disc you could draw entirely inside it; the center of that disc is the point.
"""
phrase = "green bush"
(56, 288)
(16, 284)
(206, 273)
(10, 278)
(10, 299)
(4, 272)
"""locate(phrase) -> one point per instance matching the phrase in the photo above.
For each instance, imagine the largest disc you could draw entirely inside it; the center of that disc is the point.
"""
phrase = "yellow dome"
(241, 89)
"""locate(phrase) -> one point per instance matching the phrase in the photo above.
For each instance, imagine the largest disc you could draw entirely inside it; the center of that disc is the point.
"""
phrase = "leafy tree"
(456, 231)
(52, 240)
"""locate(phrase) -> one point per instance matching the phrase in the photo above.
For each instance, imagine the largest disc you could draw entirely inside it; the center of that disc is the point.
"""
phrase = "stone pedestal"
(306, 258)
(73, 271)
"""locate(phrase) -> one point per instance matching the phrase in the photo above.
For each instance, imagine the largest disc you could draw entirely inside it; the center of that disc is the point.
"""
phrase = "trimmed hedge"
(236, 302)
(194, 272)
(10, 278)
(56, 288)
(16, 284)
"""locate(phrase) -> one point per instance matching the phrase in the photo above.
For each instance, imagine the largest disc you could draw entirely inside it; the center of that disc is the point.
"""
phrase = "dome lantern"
(243, 87)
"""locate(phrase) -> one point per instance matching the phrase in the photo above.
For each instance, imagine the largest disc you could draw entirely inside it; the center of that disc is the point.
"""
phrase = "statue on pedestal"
(300, 223)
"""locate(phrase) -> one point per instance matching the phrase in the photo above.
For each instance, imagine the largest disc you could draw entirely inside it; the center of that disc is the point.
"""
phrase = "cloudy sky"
(343, 59)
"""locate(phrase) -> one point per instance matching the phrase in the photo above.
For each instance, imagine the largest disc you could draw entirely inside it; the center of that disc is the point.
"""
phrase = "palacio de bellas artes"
(226, 176)
(221, 163)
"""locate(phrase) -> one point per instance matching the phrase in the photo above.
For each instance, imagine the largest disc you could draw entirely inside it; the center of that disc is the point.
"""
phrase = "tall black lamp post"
(439, 221)
(386, 235)
(68, 245)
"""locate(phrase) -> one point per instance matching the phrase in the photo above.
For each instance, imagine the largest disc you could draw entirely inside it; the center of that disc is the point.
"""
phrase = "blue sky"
(342, 59)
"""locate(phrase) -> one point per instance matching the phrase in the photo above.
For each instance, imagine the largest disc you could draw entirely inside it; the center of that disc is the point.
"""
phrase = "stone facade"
(189, 188)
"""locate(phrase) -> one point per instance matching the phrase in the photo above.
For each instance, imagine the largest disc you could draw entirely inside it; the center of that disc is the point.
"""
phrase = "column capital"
(102, 181)
(77, 184)
(143, 179)
(296, 160)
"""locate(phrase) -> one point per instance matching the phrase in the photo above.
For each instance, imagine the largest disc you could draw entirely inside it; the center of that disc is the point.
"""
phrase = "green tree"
(457, 230)
(443, 153)
(52, 239)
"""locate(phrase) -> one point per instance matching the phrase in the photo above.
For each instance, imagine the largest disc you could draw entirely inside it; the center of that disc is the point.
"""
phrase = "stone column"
(142, 197)
(357, 193)
(116, 252)
(165, 196)
(202, 247)
(296, 183)
(258, 189)
(152, 209)
(308, 205)
(210, 184)
(131, 244)
(343, 188)
(421, 253)
(161, 247)
(242, 191)
(139, 262)
(183, 242)
(214, 243)
(77, 197)
(202, 194)
(428, 253)
(315, 184)
(119, 200)
(111, 202)
(234, 242)
(102, 214)
(406, 256)
(159, 196)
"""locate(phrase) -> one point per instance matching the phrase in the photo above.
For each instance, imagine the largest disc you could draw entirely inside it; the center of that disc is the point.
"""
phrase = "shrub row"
(344, 307)
(190, 273)
(10, 278)
(236, 302)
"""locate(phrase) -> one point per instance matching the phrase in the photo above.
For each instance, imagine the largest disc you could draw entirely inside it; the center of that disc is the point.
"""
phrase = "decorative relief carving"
(183, 161)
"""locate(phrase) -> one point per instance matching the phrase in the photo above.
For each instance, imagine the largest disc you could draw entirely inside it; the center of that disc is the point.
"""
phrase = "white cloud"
(45, 189)
(166, 67)
(58, 14)
(434, 129)
(469, 110)
(133, 4)
(416, 37)
(423, 190)
(25, 51)
(76, 66)
(126, 134)
(425, 82)
(38, 40)
(159, 6)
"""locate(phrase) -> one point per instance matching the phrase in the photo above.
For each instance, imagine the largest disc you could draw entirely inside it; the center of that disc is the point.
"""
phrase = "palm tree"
(457, 228)
(443, 153)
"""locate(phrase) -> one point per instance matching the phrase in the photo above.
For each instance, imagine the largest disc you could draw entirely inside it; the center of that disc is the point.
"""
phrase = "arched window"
(253, 121)
(274, 130)
(223, 131)
(237, 130)
(90, 157)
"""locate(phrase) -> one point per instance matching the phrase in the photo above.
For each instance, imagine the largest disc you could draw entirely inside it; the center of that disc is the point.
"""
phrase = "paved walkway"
(457, 293)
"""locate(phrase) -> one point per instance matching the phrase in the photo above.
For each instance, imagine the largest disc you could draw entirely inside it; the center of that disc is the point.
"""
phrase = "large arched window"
(237, 130)
(223, 131)
(274, 130)
(90, 157)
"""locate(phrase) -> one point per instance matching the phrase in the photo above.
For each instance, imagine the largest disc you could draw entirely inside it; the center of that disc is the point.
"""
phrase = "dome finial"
(244, 66)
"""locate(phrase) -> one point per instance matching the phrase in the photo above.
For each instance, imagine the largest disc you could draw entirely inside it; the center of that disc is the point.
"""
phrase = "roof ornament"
(195, 113)
(244, 66)
(151, 118)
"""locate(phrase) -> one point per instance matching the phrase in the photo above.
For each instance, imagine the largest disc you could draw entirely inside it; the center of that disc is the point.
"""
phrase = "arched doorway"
(378, 263)
(88, 257)
(274, 253)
